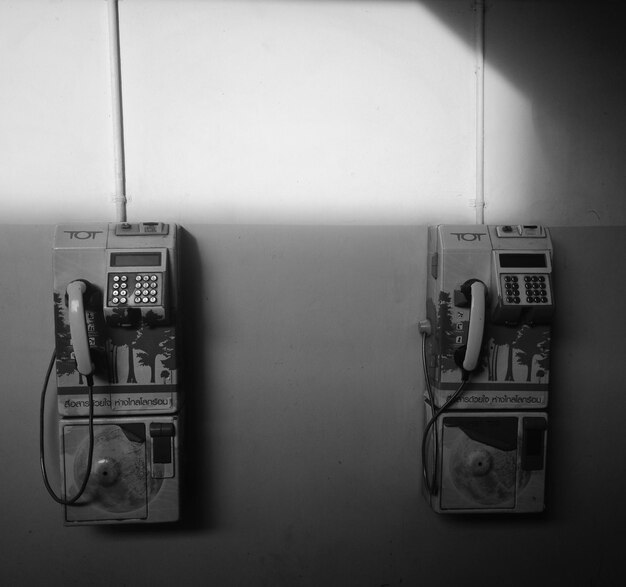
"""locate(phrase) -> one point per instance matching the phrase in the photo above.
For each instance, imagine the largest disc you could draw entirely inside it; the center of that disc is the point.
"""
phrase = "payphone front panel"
(490, 301)
(117, 330)
(508, 333)
(116, 308)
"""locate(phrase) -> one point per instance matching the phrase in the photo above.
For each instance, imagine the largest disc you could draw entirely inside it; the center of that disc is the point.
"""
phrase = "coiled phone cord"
(431, 487)
(42, 462)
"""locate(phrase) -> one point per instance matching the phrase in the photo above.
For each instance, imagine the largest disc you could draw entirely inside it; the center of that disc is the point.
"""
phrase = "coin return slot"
(162, 437)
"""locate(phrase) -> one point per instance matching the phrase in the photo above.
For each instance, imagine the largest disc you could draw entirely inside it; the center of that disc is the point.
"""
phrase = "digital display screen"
(135, 259)
(523, 260)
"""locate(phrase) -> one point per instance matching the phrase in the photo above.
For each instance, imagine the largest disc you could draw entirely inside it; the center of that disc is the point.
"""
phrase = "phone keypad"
(526, 289)
(135, 289)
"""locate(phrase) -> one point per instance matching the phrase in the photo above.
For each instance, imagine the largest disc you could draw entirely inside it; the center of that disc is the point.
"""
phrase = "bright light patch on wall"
(55, 138)
(245, 112)
(339, 112)
(512, 153)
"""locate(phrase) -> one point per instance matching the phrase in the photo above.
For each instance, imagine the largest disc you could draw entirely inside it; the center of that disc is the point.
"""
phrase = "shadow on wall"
(197, 500)
(564, 59)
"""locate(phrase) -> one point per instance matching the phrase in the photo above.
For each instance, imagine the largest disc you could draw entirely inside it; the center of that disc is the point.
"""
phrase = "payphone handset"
(490, 302)
(79, 336)
(466, 356)
(116, 317)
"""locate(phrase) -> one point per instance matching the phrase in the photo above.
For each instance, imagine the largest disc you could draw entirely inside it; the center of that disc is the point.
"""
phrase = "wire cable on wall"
(42, 456)
(118, 120)
(479, 8)
(430, 482)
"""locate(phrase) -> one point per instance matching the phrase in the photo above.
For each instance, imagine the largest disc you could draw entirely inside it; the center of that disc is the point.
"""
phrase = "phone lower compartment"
(487, 462)
(135, 472)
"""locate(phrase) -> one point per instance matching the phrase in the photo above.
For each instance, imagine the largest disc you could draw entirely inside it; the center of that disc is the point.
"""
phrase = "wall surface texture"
(305, 112)
(305, 146)
(304, 397)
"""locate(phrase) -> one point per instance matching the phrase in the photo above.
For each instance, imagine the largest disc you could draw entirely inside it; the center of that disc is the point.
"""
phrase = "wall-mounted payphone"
(490, 301)
(117, 326)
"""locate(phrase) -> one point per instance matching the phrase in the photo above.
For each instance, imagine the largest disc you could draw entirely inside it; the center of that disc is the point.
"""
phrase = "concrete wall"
(305, 386)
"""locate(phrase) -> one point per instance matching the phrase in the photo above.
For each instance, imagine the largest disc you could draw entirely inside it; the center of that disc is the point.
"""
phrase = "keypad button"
(138, 278)
(153, 292)
(145, 278)
(153, 299)
(116, 285)
(122, 300)
(514, 278)
(137, 299)
(115, 300)
(529, 300)
(124, 278)
(153, 278)
(144, 300)
(116, 278)
(123, 292)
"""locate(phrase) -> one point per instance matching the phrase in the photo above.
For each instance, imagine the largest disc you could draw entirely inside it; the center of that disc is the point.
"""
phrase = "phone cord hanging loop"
(431, 487)
(42, 462)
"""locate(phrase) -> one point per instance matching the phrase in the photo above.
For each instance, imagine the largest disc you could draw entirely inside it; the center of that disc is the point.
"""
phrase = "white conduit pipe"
(479, 7)
(118, 123)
